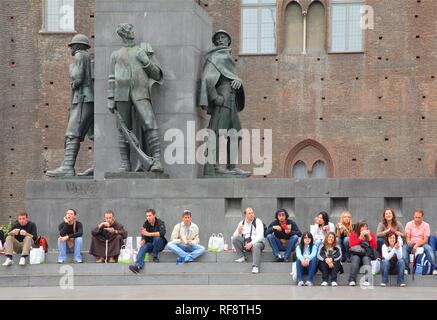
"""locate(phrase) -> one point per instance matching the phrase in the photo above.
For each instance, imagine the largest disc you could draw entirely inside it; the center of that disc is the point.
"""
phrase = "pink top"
(417, 233)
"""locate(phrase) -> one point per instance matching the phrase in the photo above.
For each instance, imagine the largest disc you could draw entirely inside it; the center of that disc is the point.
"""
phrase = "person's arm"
(331, 227)
(387, 255)
(399, 253)
(354, 240)
(16, 225)
(270, 228)
(62, 229)
(337, 254)
(299, 255)
(120, 230)
(373, 240)
(195, 239)
(380, 230)
(423, 242)
(79, 76)
(319, 254)
(237, 233)
(259, 231)
(313, 253)
(175, 235)
(79, 231)
(401, 229)
(146, 56)
(295, 229)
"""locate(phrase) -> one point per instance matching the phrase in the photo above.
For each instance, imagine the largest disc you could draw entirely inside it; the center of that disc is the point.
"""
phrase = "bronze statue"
(81, 111)
(134, 70)
(222, 95)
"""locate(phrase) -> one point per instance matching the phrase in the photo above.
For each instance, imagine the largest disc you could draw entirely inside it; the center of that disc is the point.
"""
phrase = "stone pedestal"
(180, 32)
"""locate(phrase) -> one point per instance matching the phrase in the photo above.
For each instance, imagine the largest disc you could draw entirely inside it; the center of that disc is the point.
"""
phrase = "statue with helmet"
(222, 95)
(81, 110)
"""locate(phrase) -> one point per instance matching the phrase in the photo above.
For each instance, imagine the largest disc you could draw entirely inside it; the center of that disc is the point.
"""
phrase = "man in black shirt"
(70, 237)
(153, 232)
(20, 238)
(283, 234)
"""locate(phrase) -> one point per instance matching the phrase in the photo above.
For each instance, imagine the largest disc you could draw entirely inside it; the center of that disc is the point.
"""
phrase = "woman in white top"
(249, 236)
(392, 259)
(321, 228)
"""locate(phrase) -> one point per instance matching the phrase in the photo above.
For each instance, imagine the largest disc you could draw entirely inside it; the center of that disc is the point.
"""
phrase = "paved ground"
(219, 293)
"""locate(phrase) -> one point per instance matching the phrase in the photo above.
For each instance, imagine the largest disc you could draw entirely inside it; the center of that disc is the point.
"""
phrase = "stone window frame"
(333, 3)
(258, 6)
(44, 29)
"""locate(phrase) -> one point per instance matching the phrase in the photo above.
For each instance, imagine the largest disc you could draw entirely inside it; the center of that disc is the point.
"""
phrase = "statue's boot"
(87, 173)
(219, 170)
(155, 150)
(72, 146)
(237, 171)
(125, 157)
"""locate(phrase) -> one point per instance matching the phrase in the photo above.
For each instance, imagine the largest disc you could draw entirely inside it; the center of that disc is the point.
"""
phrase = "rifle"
(145, 160)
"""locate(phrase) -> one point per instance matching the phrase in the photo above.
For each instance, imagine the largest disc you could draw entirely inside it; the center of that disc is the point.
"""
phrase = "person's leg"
(432, 241)
(379, 243)
(343, 249)
(158, 245)
(177, 248)
(346, 248)
(238, 244)
(335, 271)
(299, 269)
(325, 271)
(430, 255)
(274, 243)
(9, 246)
(312, 269)
(400, 269)
(355, 266)
(198, 250)
(406, 249)
(256, 253)
(318, 243)
(62, 247)
(290, 246)
(385, 270)
(27, 244)
(141, 254)
(77, 249)
(367, 272)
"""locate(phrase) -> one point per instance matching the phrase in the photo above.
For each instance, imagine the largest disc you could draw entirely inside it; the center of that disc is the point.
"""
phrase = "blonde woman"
(343, 229)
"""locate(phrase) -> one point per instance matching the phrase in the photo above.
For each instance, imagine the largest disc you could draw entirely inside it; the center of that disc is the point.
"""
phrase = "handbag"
(70, 242)
(358, 250)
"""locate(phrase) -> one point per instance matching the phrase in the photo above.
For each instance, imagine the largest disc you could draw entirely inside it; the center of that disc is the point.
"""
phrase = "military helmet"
(224, 32)
(80, 39)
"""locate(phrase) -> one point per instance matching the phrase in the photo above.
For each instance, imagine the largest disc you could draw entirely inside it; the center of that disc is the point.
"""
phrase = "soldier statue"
(81, 111)
(134, 70)
(222, 95)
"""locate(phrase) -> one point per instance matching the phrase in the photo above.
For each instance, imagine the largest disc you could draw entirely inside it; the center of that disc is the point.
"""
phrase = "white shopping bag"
(1, 245)
(376, 266)
(125, 256)
(216, 243)
(37, 256)
(139, 243)
(129, 244)
(294, 271)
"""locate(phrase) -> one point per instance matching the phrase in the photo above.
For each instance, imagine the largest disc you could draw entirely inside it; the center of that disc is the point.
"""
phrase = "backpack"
(421, 266)
(42, 242)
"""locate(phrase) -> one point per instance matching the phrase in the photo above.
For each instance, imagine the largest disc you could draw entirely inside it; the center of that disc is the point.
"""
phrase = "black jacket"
(66, 229)
(281, 234)
(322, 253)
(30, 227)
(158, 227)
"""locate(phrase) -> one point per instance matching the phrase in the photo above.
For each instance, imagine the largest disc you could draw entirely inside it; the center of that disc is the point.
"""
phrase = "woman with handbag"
(329, 256)
(392, 259)
(306, 254)
(362, 244)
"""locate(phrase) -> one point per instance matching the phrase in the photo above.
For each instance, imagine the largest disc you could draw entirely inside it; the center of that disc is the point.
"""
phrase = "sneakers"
(402, 285)
(279, 259)
(255, 270)
(179, 261)
(188, 259)
(334, 284)
(22, 261)
(434, 273)
(78, 261)
(8, 262)
(300, 284)
(383, 284)
(366, 283)
(406, 272)
(324, 284)
(309, 284)
(240, 260)
(134, 269)
(352, 284)
(60, 262)
(156, 259)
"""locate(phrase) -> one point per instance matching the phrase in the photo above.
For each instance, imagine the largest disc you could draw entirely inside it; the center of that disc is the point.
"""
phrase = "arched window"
(319, 170)
(316, 25)
(293, 28)
(300, 170)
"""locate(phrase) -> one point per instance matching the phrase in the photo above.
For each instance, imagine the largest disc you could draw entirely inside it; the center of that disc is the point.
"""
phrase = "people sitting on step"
(249, 237)
(107, 239)
(321, 228)
(283, 235)
(362, 246)
(343, 230)
(306, 259)
(418, 233)
(70, 237)
(153, 240)
(329, 256)
(392, 262)
(20, 239)
(185, 240)
(387, 224)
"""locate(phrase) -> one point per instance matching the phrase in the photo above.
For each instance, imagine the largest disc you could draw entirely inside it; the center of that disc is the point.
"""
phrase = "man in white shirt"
(249, 237)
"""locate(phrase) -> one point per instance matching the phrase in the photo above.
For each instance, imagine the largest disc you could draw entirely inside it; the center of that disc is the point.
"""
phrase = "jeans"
(380, 242)
(277, 246)
(344, 245)
(356, 263)
(385, 270)
(433, 243)
(326, 271)
(63, 250)
(184, 251)
(430, 255)
(311, 269)
(155, 247)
